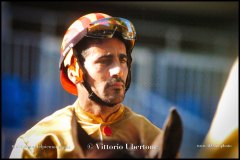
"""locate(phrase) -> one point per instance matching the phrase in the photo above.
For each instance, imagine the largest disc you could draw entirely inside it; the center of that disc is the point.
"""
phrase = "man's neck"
(98, 110)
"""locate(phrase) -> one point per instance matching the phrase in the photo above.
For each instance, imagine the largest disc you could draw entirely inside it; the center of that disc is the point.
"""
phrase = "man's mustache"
(111, 81)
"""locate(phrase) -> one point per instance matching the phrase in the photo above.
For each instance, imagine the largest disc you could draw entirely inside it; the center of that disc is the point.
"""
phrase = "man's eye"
(104, 61)
(124, 60)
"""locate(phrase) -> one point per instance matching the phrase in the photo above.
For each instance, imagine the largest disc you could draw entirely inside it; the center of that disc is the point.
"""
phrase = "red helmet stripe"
(85, 22)
(100, 16)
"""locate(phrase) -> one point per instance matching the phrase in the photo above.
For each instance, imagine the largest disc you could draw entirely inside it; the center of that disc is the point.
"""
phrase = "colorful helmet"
(97, 25)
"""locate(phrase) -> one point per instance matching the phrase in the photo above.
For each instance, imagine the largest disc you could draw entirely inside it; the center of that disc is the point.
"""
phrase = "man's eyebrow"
(110, 56)
(122, 55)
(105, 56)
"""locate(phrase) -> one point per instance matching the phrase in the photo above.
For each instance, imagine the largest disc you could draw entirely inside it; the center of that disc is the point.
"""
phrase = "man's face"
(106, 64)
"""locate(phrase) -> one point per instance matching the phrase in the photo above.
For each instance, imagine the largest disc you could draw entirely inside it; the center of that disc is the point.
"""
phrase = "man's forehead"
(98, 51)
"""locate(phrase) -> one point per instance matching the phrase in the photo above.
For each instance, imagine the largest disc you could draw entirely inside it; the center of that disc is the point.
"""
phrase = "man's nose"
(116, 70)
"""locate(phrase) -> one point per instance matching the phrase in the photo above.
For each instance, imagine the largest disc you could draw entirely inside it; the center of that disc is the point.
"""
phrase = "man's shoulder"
(138, 118)
(64, 113)
(57, 121)
(53, 130)
(133, 115)
(142, 124)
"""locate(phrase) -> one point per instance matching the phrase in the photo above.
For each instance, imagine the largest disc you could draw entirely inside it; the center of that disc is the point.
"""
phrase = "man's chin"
(115, 100)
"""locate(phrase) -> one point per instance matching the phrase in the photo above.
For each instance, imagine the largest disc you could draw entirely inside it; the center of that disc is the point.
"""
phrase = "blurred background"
(183, 55)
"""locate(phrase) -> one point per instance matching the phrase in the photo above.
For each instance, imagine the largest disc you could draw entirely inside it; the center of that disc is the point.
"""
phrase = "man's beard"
(116, 95)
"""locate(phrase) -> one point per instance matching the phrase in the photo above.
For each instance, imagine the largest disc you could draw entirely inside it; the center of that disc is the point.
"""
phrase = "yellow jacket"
(56, 135)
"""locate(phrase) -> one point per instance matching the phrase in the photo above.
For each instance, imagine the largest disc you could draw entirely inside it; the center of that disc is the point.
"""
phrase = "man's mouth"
(117, 85)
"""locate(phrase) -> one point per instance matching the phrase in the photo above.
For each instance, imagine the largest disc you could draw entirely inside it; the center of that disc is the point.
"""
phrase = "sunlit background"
(183, 55)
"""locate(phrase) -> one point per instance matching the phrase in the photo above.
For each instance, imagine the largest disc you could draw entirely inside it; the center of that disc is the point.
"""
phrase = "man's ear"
(75, 73)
